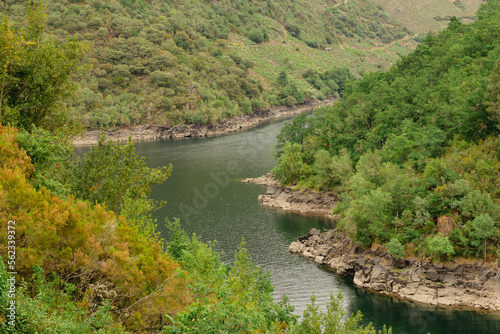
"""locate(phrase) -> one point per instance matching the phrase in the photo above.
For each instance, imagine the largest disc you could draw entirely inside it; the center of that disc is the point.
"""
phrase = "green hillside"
(429, 15)
(413, 153)
(198, 61)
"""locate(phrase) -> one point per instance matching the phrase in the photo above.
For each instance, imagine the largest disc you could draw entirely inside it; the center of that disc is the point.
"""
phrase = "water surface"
(205, 192)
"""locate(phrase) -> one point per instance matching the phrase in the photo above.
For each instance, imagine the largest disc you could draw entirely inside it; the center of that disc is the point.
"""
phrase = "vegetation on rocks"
(413, 152)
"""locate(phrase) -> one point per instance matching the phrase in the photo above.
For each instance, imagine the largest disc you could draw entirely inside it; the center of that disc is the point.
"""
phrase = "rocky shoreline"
(458, 283)
(304, 202)
(154, 132)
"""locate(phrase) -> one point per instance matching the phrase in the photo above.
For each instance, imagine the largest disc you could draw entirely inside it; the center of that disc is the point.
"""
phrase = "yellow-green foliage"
(35, 73)
(87, 246)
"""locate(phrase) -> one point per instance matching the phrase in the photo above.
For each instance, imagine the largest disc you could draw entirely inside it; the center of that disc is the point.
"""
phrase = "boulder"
(379, 272)
(339, 266)
(449, 279)
(438, 265)
(424, 294)
(271, 190)
(409, 290)
(314, 231)
(296, 247)
(307, 253)
(432, 275)
(319, 259)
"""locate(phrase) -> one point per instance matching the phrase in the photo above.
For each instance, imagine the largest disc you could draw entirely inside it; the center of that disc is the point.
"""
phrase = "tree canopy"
(36, 73)
(413, 147)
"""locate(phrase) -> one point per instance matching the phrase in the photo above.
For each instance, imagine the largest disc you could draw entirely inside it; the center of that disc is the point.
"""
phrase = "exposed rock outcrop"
(457, 284)
(153, 132)
(303, 202)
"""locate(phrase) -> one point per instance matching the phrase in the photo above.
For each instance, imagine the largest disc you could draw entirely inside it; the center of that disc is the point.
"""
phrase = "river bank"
(154, 132)
(285, 198)
(458, 283)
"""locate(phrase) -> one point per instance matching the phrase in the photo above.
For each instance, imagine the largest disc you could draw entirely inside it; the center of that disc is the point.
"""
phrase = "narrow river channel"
(205, 192)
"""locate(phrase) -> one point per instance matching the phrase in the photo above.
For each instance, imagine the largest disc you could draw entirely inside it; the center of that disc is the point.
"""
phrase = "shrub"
(163, 79)
(439, 246)
(257, 35)
(313, 43)
(395, 248)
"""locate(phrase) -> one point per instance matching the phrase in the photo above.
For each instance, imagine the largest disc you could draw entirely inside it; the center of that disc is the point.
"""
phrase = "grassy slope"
(285, 52)
(418, 16)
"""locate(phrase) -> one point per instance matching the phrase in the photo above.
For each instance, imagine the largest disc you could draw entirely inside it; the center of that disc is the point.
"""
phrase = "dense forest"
(80, 252)
(414, 152)
(197, 61)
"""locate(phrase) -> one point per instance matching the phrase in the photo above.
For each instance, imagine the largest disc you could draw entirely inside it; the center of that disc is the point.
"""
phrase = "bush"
(439, 246)
(395, 248)
(163, 79)
(257, 35)
(313, 43)
(293, 29)
(290, 101)
(194, 117)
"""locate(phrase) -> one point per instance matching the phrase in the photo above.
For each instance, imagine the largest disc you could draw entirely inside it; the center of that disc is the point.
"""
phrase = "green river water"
(205, 192)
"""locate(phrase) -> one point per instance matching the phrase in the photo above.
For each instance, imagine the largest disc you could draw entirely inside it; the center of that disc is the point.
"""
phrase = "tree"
(439, 246)
(334, 321)
(291, 167)
(49, 153)
(395, 248)
(35, 73)
(483, 230)
(283, 79)
(492, 95)
(113, 174)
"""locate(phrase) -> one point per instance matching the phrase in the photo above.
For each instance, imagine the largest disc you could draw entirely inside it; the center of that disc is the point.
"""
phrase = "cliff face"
(471, 284)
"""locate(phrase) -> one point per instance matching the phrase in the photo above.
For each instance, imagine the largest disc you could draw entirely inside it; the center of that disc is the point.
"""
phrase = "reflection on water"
(205, 192)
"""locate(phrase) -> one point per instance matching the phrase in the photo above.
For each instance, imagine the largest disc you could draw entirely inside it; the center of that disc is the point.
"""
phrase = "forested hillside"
(198, 61)
(80, 252)
(413, 153)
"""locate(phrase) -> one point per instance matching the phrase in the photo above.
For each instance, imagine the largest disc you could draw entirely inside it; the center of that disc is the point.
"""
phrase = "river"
(205, 191)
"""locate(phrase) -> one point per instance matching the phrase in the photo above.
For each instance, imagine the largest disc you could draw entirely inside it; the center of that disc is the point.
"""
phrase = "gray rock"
(361, 262)
(449, 279)
(271, 190)
(319, 259)
(314, 231)
(378, 272)
(323, 250)
(425, 294)
(296, 247)
(432, 275)
(439, 265)
(400, 263)
(415, 278)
